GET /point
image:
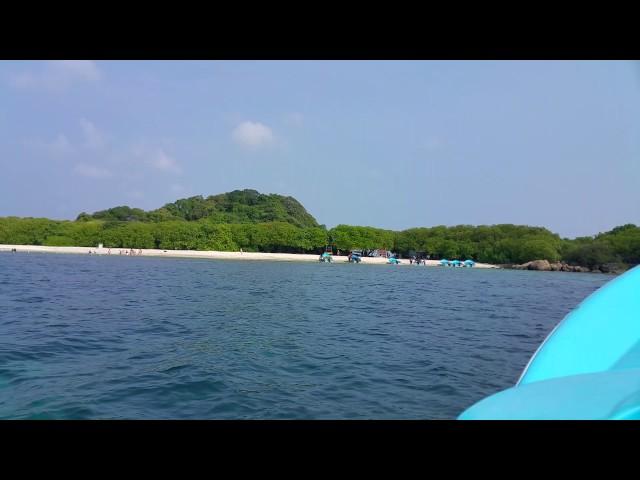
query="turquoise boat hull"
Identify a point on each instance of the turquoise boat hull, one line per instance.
(587, 368)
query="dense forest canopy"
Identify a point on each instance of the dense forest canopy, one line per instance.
(239, 206)
(273, 223)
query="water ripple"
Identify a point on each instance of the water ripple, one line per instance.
(89, 337)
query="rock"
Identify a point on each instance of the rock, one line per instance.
(539, 265)
(545, 265)
(611, 268)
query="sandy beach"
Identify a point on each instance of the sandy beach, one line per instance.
(283, 257)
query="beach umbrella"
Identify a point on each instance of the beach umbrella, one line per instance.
(469, 263)
(455, 262)
(444, 261)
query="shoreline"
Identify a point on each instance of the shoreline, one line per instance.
(214, 255)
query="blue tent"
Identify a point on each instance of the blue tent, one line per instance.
(444, 262)
(469, 263)
(455, 263)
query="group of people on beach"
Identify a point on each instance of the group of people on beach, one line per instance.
(418, 261)
(128, 252)
(122, 252)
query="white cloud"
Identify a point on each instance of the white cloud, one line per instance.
(57, 75)
(84, 69)
(253, 135)
(94, 138)
(156, 158)
(164, 162)
(91, 171)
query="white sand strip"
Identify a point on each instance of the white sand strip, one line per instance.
(286, 257)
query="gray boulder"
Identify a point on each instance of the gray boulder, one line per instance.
(543, 265)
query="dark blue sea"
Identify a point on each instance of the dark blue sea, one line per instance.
(93, 337)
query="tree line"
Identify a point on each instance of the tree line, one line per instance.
(498, 244)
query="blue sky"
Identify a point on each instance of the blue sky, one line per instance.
(393, 144)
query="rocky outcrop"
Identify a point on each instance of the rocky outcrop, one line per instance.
(564, 267)
(539, 265)
(544, 265)
(533, 265)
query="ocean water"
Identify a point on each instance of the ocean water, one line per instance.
(93, 337)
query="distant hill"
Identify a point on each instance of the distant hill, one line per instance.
(239, 206)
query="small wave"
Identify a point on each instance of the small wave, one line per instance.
(243, 340)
